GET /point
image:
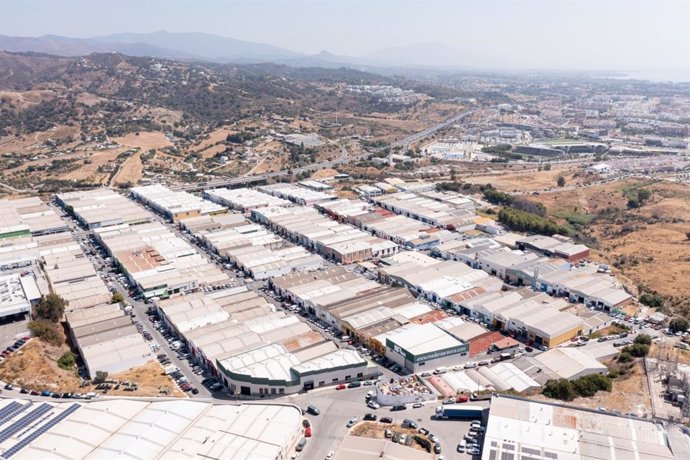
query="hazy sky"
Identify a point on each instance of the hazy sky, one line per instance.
(636, 35)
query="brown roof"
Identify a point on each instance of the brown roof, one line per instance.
(430, 317)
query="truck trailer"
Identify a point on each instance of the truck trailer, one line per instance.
(459, 411)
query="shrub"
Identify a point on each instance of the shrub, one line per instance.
(67, 361)
(652, 300)
(678, 324)
(589, 385)
(561, 389)
(117, 298)
(528, 222)
(45, 330)
(637, 350)
(101, 376)
(644, 339)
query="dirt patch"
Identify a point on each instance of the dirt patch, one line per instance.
(525, 181)
(92, 169)
(214, 137)
(377, 430)
(25, 99)
(130, 171)
(212, 150)
(150, 381)
(89, 99)
(628, 395)
(34, 366)
(324, 173)
(636, 242)
(665, 351)
(145, 140)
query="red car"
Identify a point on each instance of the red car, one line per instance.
(307, 432)
(342, 386)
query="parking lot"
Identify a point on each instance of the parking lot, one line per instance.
(337, 407)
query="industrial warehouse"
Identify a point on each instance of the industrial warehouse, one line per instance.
(519, 427)
(141, 429)
(28, 217)
(394, 283)
(244, 199)
(335, 241)
(255, 349)
(175, 205)
(107, 340)
(258, 252)
(102, 207)
(157, 261)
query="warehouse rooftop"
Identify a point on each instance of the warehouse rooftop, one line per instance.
(519, 427)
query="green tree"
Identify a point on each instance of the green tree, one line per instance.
(643, 339)
(561, 389)
(547, 167)
(101, 376)
(652, 300)
(50, 307)
(560, 181)
(678, 324)
(67, 361)
(589, 385)
(117, 298)
(625, 357)
(638, 350)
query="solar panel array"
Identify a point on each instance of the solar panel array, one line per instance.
(34, 435)
(23, 422)
(11, 410)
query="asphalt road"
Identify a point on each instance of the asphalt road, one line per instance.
(343, 158)
(337, 407)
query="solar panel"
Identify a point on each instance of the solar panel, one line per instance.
(23, 422)
(10, 410)
(36, 434)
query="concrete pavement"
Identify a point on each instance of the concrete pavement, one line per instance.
(337, 407)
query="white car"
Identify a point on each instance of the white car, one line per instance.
(373, 405)
(330, 455)
(352, 422)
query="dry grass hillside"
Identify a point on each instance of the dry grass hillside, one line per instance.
(648, 244)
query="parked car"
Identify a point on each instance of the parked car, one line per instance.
(352, 422)
(371, 417)
(373, 405)
(386, 420)
(398, 407)
(417, 405)
(313, 410)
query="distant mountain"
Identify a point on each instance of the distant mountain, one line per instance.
(205, 46)
(66, 46)
(196, 46)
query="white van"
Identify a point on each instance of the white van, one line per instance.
(440, 370)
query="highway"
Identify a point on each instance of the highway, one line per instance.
(344, 157)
